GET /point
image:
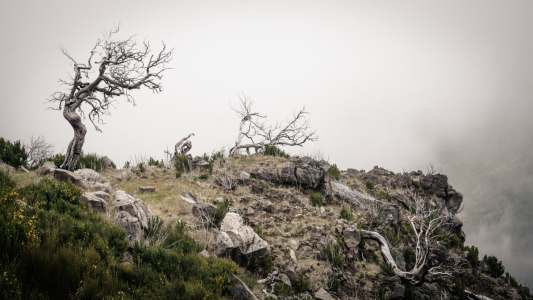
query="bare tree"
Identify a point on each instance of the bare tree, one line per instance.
(124, 66)
(295, 132)
(181, 147)
(423, 220)
(38, 149)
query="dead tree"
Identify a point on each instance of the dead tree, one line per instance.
(181, 147)
(295, 132)
(424, 221)
(123, 66)
(38, 149)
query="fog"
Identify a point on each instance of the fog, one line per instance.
(395, 84)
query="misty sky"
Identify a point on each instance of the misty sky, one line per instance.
(397, 84)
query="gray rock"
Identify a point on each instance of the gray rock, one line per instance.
(351, 237)
(287, 174)
(102, 195)
(240, 242)
(89, 175)
(321, 294)
(188, 196)
(132, 225)
(440, 252)
(108, 164)
(285, 279)
(244, 176)
(268, 206)
(293, 244)
(45, 168)
(218, 200)
(400, 197)
(425, 182)
(104, 187)
(64, 175)
(204, 253)
(293, 272)
(134, 207)
(239, 290)
(439, 185)
(258, 188)
(92, 202)
(204, 211)
(453, 200)
(402, 181)
(306, 252)
(392, 214)
(264, 174)
(150, 189)
(293, 255)
(250, 211)
(397, 291)
(200, 163)
(416, 181)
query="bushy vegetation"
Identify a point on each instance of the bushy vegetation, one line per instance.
(369, 185)
(473, 255)
(387, 269)
(85, 161)
(333, 284)
(203, 176)
(52, 248)
(301, 285)
(409, 257)
(275, 151)
(268, 265)
(156, 163)
(215, 156)
(222, 209)
(346, 213)
(316, 199)
(392, 236)
(13, 154)
(178, 174)
(182, 163)
(333, 254)
(259, 231)
(383, 194)
(495, 266)
(335, 173)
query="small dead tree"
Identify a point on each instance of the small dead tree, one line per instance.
(123, 66)
(38, 149)
(181, 147)
(295, 132)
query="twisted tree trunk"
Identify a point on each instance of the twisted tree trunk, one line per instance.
(74, 147)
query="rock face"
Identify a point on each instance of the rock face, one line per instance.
(133, 227)
(309, 173)
(64, 175)
(392, 214)
(92, 202)
(89, 175)
(45, 168)
(204, 211)
(104, 187)
(134, 207)
(240, 242)
(102, 195)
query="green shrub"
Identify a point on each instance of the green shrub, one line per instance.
(182, 163)
(333, 284)
(259, 232)
(316, 199)
(346, 213)
(369, 185)
(392, 236)
(268, 265)
(454, 242)
(333, 254)
(301, 285)
(381, 294)
(275, 151)
(222, 209)
(361, 243)
(495, 266)
(178, 174)
(203, 176)
(383, 194)
(280, 290)
(388, 269)
(85, 161)
(409, 256)
(156, 163)
(334, 172)
(126, 165)
(13, 154)
(473, 255)
(142, 169)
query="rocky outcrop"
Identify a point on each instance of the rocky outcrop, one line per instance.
(64, 175)
(308, 173)
(93, 202)
(240, 242)
(45, 168)
(89, 175)
(132, 226)
(97, 186)
(107, 163)
(351, 236)
(134, 207)
(102, 195)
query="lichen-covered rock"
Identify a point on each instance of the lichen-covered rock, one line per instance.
(45, 168)
(104, 187)
(135, 207)
(240, 242)
(102, 195)
(89, 175)
(392, 214)
(321, 294)
(453, 200)
(92, 202)
(64, 175)
(351, 237)
(308, 173)
(132, 226)
(107, 163)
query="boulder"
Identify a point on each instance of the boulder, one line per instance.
(64, 175)
(244, 176)
(400, 197)
(293, 272)
(204, 253)
(104, 187)
(308, 173)
(288, 174)
(264, 174)
(45, 168)
(258, 188)
(397, 291)
(293, 256)
(92, 202)
(102, 195)
(204, 211)
(440, 252)
(268, 206)
(351, 236)
(321, 294)
(285, 279)
(107, 163)
(149, 189)
(239, 290)
(134, 207)
(133, 227)
(392, 214)
(306, 252)
(425, 182)
(240, 242)
(402, 181)
(454, 200)
(89, 175)
(200, 163)
(188, 196)
(293, 244)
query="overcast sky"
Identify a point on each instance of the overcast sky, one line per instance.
(388, 83)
